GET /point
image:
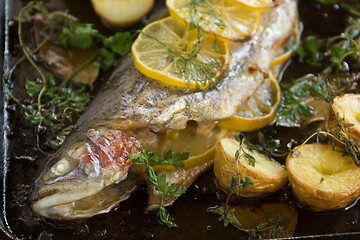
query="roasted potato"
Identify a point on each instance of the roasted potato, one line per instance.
(267, 175)
(322, 179)
(122, 13)
(346, 107)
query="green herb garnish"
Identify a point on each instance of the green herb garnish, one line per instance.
(58, 105)
(227, 216)
(188, 66)
(51, 105)
(149, 159)
(211, 15)
(307, 50)
(83, 35)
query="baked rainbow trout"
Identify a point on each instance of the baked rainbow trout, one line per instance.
(92, 172)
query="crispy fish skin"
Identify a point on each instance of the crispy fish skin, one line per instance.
(130, 102)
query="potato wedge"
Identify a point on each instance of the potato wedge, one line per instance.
(346, 107)
(267, 176)
(122, 13)
(323, 179)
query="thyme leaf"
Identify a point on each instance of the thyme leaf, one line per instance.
(245, 144)
(227, 216)
(58, 105)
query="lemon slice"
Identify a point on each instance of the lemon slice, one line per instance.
(259, 110)
(281, 58)
(223, 18)
(200, 146)
(260, 3)
(283, 54)
(167, 52)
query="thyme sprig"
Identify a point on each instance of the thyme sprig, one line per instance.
(241, 152)
(227, 215)
(149, 159)
(52, 106)
(55, 112)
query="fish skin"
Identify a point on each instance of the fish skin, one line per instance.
(129, 101)
(130, 95)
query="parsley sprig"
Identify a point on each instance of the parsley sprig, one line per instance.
(149, 159)
(337, 53)
(83, 35)
(294, 96)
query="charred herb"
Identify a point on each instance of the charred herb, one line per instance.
(149, 159)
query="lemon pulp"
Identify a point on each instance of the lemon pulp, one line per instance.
(224, 18)
(167, 52)
(259, 110)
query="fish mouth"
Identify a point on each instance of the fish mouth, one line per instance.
(56, 200)
(73, 199)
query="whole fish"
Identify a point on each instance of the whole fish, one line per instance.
(91, 173)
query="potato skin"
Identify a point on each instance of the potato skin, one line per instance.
(346, 107)
(307, 189)
(225, 169)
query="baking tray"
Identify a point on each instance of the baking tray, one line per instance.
(9, 9)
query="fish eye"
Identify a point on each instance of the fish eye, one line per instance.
(60, 168)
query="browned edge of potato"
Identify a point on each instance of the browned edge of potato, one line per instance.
(322, 179)
(267, 176)
(346, 107)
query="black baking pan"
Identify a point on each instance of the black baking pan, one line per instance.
(128, 221)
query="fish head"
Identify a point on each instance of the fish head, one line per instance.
(79, 180)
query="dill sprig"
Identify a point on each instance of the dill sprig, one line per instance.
(188, 66)
(211, 16)
(149, 159)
